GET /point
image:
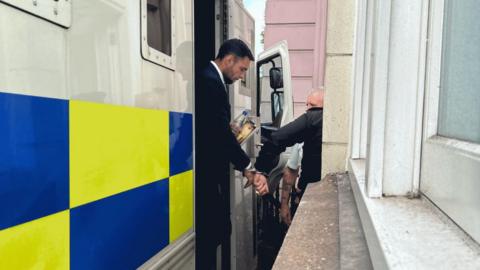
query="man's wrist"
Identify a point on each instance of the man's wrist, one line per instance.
(263, 173)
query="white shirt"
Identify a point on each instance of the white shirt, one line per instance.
(218, 70)
(295, 157)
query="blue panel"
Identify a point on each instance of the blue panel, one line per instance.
(34, 158)
(122, 231)
(181, 142)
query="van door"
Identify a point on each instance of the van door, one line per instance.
(275, 102)
(271, 107)
(240, 253)
(274, 108)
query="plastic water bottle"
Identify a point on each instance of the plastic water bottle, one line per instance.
(238, 122)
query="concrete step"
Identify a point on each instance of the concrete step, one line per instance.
(353, 246)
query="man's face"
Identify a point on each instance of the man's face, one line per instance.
(236, 68)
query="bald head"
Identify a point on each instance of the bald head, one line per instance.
(315, 99)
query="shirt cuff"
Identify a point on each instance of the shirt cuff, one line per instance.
(250, 167)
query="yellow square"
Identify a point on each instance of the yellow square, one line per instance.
(181, 204)
(39, 244)
(114, 149)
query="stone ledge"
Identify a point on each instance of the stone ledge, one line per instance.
(312, 240)
(326, 232)
(407, 233)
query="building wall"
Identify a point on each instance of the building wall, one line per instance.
(408, 63)
(302, 24)
(320, 41)
(338, 81)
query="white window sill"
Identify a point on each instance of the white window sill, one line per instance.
(407, 233)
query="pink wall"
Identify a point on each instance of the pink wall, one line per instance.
(299, 36)
(290, 11)
(303, 24)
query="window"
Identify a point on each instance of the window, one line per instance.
(159, 25)
(450, 163)
(158, 32)
(271, 100)
(459, 108)
(277, 106)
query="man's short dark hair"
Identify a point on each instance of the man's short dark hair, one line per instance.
(236, 47)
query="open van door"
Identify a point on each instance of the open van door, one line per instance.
(275, 100)
(271, 105)
(274, 108)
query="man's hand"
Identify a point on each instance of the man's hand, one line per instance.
(285, 214)
(261, 184)
(250, 175)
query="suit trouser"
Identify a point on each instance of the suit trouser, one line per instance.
(205, 255)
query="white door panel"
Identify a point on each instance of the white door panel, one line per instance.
(450, 168)
(451, 179)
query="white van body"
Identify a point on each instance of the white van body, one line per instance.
(103, 169)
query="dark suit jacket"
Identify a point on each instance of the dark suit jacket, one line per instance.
(216, 147)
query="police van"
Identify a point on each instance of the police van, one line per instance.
(97, 131)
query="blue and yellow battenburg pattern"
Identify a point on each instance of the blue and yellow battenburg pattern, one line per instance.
(91, 186)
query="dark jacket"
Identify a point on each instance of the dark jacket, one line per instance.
(308, 129)
(216, 148)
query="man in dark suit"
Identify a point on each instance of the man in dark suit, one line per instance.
(216, 148)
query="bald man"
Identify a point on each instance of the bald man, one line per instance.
(306, 129)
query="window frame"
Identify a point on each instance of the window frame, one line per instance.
(433, 82)
(438, 35)
(151, 54)
(259, 89)
(361, 81)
